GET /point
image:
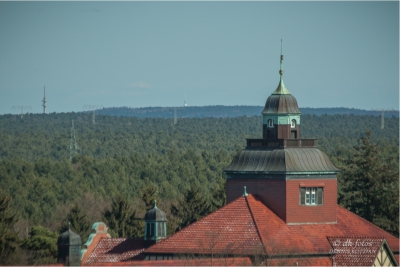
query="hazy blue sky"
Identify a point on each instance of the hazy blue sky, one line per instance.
(139, 54)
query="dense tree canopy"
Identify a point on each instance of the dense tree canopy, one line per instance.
(191, 207)
(42, 242)
(125, 163)
(369, 185)
(76, 220)
(8, 236)
(121, 219)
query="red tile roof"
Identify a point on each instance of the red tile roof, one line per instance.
(234, 261)
(281, 238)
(244, 227)
(355, 251)
(242, 261)
(238, 227)
(230, 230)
(115, 250)
(311, 261)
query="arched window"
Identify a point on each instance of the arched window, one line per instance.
(293, 125)
(270, 124)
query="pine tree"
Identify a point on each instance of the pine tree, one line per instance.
(79, 223)
(8, 237)
(43, 243)
(218, 198)
(121, 219)
(369, 186)
(149, 194)
(191, 208)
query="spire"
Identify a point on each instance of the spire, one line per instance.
(155, 204)
(281, 90)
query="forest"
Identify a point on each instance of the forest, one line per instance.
(227, 111)
(62, 167)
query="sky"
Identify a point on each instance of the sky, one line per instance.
(141, 54)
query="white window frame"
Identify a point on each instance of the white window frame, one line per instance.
(310, 196)
(270, 123)
(293, 124)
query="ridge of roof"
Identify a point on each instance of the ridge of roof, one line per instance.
(191, 225)
(110, 250)
(229, 230)
(255, 222)
(390, 251)
(366, 221)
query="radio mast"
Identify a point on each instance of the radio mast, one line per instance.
(44, 100)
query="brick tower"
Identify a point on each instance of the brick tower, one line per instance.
(291, 175)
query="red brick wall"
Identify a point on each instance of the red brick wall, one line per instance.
(298, 214)
(281, 131)
(284, 131)
(272, 193)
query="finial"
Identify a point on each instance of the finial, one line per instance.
(245, 193)
(281, 70)
(155, 204)
(69, 225)
(281, 90)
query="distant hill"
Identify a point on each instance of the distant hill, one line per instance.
(226, 111)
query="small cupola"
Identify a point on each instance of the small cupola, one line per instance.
(281, 114)
(69, 248)
(155, 224)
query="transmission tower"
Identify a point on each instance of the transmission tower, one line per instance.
(93, 108)
(73, 146)
(184, 102)
(382, 110)
(44, 100)
(22, 108)
(175, 118)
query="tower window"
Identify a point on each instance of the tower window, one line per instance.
(270, 124)
(151, 232)
(293, 124)
(311, 196)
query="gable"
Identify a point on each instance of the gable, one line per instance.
(110, 250)
(385, 257)
(361, 251)
(230, 230)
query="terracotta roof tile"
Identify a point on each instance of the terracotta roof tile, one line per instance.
(230, 230)
(230, 261)
(355, 251)
(233, 261)
(115, 250)
(279, 237)
(244, 227)
(309, 261)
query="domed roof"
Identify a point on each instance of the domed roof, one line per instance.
(155, 214)
(281, 103)
(69, 238)
(281, 100)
